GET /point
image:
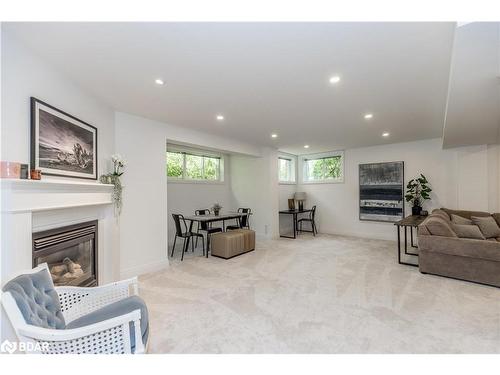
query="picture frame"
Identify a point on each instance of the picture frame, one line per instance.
(381, 192)
(62, 144)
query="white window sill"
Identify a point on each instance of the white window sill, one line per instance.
(195, 182)
(288, 182)
(322, 182)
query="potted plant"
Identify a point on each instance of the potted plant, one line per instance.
(114, 178)
(216, 209)
(417, 191)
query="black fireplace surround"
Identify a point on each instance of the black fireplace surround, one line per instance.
(70, 252)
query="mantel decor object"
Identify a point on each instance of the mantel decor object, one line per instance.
(9, 169)
(61, 144)
(36, 174)
(114, 178)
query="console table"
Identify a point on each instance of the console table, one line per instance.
(411, 222)
(294, 214)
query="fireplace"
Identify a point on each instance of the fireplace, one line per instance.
(70, 252)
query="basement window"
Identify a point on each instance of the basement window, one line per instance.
(286, 170)
(323, 168)
(192, 165)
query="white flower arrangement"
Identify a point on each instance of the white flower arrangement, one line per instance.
(114, 178)
(118, 164)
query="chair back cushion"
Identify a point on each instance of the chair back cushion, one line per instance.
(37, 299)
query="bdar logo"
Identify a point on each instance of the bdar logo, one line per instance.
(8, 347)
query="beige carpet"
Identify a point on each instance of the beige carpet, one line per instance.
(328, 294)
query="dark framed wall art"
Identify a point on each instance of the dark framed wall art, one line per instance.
(381, 191)
(61, 144)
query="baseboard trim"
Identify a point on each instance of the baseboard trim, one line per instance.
(144, 268)
(364, 235)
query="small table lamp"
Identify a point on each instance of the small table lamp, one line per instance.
(300, 197)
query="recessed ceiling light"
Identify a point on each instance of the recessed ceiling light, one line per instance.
(334, 79)
(368, 116)
(219, 117)
(159, 81)
(385, 134)
(274, 135)
(306, 146)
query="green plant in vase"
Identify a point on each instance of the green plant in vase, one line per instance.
(216, 209)
(417, 191)
(114, 178)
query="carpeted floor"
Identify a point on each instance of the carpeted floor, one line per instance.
(328, 294)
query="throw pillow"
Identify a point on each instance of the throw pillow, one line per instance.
(455, 219)
(439, 227)
(441, 214)
(468, 231)
(487, 225)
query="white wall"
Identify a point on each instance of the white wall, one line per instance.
(463, 178)
(254, 184)
(144, 220)
(24, 75)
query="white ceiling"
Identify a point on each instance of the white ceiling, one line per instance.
(263, 77)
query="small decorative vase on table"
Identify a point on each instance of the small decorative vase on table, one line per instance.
(216, 209)
(417, 191)
(300, 197)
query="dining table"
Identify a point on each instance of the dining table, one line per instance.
(212, 218)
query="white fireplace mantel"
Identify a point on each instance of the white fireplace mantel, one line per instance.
(29, 206)
(44, 195)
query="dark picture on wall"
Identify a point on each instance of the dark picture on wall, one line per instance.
(381, 189)
(61, 144)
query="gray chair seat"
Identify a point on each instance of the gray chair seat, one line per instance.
(113, 310)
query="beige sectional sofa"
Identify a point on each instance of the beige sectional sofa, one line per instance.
(443, 252)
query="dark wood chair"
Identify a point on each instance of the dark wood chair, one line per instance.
(310, 219)
(185, 234)
(244, 221)
(207, 227)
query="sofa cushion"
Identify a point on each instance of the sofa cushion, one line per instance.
(440, 213)
(468, 231)
(487, 225)
(439, 227)
(497, 218)
(115, 309)
(466, 214)
(455, 219)
(37, 299)
(464, 247)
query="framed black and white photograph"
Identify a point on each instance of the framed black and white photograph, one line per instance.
(381, 191)
(61, 144)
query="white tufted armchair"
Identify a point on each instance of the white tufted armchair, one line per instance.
(59, 326)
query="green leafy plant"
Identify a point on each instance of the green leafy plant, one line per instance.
(216, 208)
(418, 191)
(114, 178)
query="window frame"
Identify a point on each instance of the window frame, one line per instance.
(292, 169)
(184, 179)
(323, 155)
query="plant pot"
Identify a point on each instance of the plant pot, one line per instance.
(216, 212)
(416, 210)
